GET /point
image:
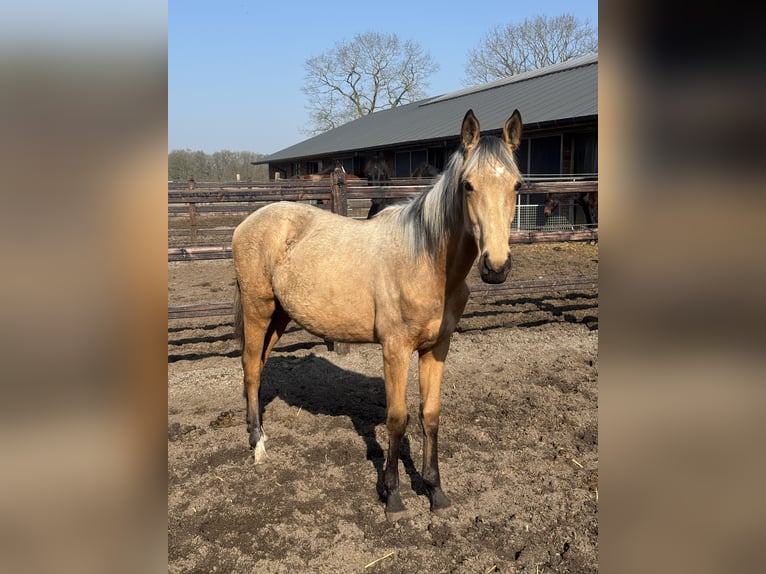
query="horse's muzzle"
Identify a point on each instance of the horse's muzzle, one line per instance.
(491, 274)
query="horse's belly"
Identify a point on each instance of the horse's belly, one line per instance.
(344, 315)
(336, 322)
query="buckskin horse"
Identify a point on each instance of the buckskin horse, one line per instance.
(397, 279)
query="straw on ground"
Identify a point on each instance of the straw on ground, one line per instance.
(379, 559)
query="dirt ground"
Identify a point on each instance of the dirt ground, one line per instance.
(518, 440)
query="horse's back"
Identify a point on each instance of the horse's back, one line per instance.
(281, 209)
(277, 219)
(261, 240)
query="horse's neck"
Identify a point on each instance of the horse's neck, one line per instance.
(458, 256)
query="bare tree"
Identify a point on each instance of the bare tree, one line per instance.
(510, 49)
(373, 72)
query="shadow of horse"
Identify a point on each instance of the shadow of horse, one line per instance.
(317, 386)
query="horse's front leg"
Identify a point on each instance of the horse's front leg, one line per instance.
(395, 366)
(431, 369)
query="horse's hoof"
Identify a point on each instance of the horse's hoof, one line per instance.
(395, 509)
(440, 504)
(257, 437)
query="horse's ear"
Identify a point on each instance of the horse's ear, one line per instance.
(512, 130)
(469, 133)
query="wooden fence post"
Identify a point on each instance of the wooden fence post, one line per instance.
(193, 222)
(339, 191)
(192, 213)
(339, 205)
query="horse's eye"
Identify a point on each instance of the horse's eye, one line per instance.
(517, 187)
(467, 186)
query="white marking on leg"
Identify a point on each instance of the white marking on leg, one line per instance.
(259, 453)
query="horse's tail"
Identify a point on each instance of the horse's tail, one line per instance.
(239, 322)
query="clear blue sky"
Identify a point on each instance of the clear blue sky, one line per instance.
(236, 67)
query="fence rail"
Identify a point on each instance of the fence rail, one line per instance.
(281, 190)
(336, 194)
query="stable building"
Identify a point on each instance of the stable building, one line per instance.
(558, 105)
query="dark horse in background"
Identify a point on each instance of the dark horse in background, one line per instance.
(588, 201)
(325, 173)
(425, 171)
(377, 172)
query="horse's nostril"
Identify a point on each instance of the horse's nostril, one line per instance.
(487, 264)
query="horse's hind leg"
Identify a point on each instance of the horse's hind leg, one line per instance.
(252, 366)
(264, 324)
(279, 321)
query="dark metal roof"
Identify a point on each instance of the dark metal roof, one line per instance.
(559, 92)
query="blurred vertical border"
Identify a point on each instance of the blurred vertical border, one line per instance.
(83, 150)
(682, 268)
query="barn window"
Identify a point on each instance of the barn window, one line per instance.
(405, 162)
(585, 153)
(545, 155)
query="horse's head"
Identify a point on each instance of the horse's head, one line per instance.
(489, 181)
(550, 204)
(376, 169)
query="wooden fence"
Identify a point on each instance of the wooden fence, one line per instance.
(335, 193)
